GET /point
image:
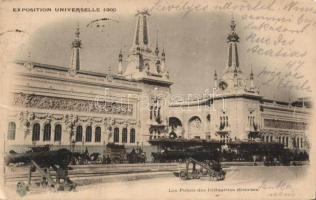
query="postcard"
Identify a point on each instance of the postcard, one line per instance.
(157, 99)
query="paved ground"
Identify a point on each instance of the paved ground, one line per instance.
(240, 182)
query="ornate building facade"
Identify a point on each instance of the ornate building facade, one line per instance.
(69, 107)
(72, 108)
(235, 110)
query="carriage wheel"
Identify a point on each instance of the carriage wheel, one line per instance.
(222, 175)
(21, 188)
(212, 175)
(196, 174)
(183, 175)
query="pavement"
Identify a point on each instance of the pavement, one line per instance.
(241, 182)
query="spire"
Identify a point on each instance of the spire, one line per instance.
(235, 73)
(157, 48)
(252, 85)
(76, 46)
(109, 75)
(233, 40)
(141, 36)
(215, 79)
(120, 68)
(163, 60)
(251, 73)
(163, 55)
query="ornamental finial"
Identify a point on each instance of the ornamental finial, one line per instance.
(233, 24)
(120, 56)
(77, 33)
(157, 48)
(251, 73)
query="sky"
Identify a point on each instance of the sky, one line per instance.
(195, 46)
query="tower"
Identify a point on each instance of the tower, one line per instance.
(233, 78)
(142, 61)
(236, 100)
(147, 66)
(75, 58)
(141, 36)
(233, 40)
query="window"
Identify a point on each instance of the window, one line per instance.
(97, 137)
(116, 135)
(79, 134)
(47, 132)
(11, 131)
(124, 135)
(88, 134)
(151, 112)
(283, 141)
(132, 136)
(36, 132)
(57, 136)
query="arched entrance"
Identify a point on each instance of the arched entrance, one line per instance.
(175, 127)
(195, 127)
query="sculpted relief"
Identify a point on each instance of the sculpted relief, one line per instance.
(285, 124)
(56, 103)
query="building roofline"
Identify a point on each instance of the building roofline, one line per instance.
(65, 69)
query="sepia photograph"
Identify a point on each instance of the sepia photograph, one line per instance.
(157, 99)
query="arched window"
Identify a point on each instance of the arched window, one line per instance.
(116, 135)
(97, 137)
(208, 117)
(88, 134)
(132, 136)
(47, 132)
(57, 136)
(36, 132)
(124, 135)
(283, 141)
(79, 134)
(267, 138)
(11, 131)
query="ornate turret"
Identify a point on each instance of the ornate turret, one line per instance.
(233, 79)
(142, 62)
(76, 46)
(233, 40)
(252, 85)
(120, 67)
(157, 48)
(215, 79)
(141, 36)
